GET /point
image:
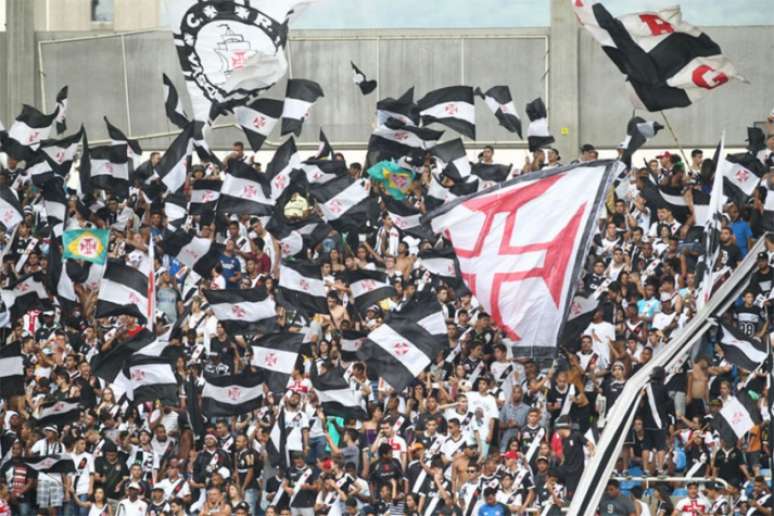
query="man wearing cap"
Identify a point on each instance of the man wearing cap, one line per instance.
(110, 472)
(573, 458)
(588, 153)
(763, 278)
(614, 503)
(132, 505)
(157, 505)
(174, 485)
(209, 460)
(51, 486)
(718, 502)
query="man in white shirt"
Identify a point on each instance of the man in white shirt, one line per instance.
(175, 486)
(50, 485)
(602, 333)
(296, 424)
(485, 401)
(132, 505)
(82, 481)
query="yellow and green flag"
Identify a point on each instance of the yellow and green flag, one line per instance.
(86, 244)
(396, 180)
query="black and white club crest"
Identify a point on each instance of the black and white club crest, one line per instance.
(218, 40)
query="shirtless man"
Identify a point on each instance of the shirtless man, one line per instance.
(404, 263)
(697, 392)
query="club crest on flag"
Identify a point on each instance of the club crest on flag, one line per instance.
(138, 374)
(238, 312)
(86, 244)
(400, 348)
(271, 359)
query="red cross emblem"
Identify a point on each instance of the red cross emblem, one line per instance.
(238, 312)
(280, 182)
(575, 309)
(368, 285)
(138, 374)
(358, 343)
(58, 406)
(557, 252)
(249, 192)
(398, 221)
(233, 392)
(107, 167)
(87, 246)
(208, 196)
(134, 298)
(336, 207)
(316, 175)
(401, 136)
(450, 270)
(285, 247)
(22, 287)
(451, 109)
(271, 359)
(60, 156)
(505, 108)
(742, 175)
(33, 137)
(259, 122)
(304, 285)
(7, 216)
(737, 417)
(400, 348)
(238, 59)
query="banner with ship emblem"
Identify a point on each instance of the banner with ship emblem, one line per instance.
(230, 51)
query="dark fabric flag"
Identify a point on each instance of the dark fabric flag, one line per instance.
(499, 101)
(407, 219)
(276, 355)
(123, 291)
(27, 293)
(345, 203)
(402, 109)
(538, 135)
(110, 169)
(61, 116)
(108, 364)
(11, 370)
(62, 463)
(194, 252)
(368, 287)
(638, 131)
(10, 208)
(452, 160)
(324, 149)
(395, 139)
(173, 166)
(359, 78)
(232, 395)
(453, 107)
(29, 129)
(173, 105)
(61, 153)
(205, 193)
(301, 288)
(243, 311)
(55, 204)
(741, 350)
(58, 413)
(258, 120)
(299, 97)
(245, 191)
(667, 62)
(492, 172)
(337, 396)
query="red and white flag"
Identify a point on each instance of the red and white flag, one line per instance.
(521, 246)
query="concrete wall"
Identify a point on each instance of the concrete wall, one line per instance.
(94, 70)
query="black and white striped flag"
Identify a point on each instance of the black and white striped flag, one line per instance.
(407, 342)
(368, 287)
(205, 193)
(705, 267)
(123, 291)
(258, 120)
(28, 293)
(60, 463)
(499, 101)
(276, 355)
(109, 169)
(61, 153)
(175, 210)
(742, 174)
(407, 219)
(337, 396)
(39, 169)
(738, 415)
(118, 138)
(194, 252)
(301, 287)
(148, 378)
(324, 149)
(243, 311)
(232, 395)
(245, 191)
(538, 135)
(55, 204)
(740, 349)
(61, 116)
(494, 172)
(109, 363)
(299, 97)
(173, 105)
(638, 131)
(359, 78)
(29, 129)
(452, 160)
(283, 168)
(59, 281)
(173, 166)
(403, 109)
(396, 139)
(350, 344)
(58, 413)
(345, 203)
(442, 263)
(290, 240)
(321, 171)
(11, 370)
(453, 107)
(10, 208)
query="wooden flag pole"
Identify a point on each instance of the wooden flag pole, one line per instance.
(677, 141)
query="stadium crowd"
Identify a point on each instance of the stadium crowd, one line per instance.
(479, 432)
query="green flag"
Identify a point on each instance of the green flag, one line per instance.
(86, 244)
(396, 180)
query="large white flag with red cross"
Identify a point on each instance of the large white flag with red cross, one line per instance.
(521, 246)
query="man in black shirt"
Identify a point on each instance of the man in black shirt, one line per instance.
(729, 252)
(729, 464)
(247, 466)
(301, 486)
(763, 278)
(387, 471)
(110, 472)
(572, 450)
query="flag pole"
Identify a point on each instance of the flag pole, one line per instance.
(769, 406)
(674, 136)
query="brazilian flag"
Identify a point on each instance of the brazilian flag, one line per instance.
(86, 244)
(396, 180)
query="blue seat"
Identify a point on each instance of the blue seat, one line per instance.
(680, 492)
